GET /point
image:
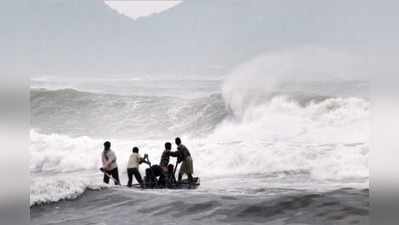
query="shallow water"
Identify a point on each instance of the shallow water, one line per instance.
(131, 206)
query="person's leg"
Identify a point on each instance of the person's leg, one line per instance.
(147, 177)
(106, 178)
(189, 169)
(180, 177)
(166, 177)
(190, 178)
(171, 175)
(137, 175)
(162, 179)
(130, 176)
(182, 170)
(115, 175)
(172, 179)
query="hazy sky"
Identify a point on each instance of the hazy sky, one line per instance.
(207, 37)
(136, 9)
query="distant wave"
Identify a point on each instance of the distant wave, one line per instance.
(77, 113)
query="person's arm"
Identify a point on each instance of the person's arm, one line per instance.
(177, 154)
(145, 160)
(174, 154)
(141, 159)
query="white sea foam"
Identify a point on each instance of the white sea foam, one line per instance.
(328, 140)
(52, 188)
(267, 122)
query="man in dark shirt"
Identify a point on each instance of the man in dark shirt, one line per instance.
(167, 169)
(183, 155)
(165, 156)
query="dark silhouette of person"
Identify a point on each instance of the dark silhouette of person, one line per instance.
(183, 156)
(154, 176)
(167, 174)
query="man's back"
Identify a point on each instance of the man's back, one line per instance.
(184, 152)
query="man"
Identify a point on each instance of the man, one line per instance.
(167, 172)
(110, 168)
(133, 167)
(183, 156)
(165, 156)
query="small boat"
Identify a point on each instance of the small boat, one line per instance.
(184, 184)
(151, 182)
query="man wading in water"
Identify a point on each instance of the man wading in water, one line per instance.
(133, 167)
(183, 156)
(110, 168)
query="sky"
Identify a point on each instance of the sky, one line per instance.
(201, 37)
(136, 9)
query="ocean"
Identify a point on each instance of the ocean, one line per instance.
(267, 151)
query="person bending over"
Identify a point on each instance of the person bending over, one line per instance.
(110, 168)
(154, 177)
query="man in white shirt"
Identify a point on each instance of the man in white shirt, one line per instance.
(110, 168)
(133, 167)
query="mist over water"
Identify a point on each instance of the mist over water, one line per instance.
(293, 119)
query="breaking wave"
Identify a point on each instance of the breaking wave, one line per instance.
(265, 121)
(325, 138)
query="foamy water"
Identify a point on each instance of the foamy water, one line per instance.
(247, 135)
(324, 141)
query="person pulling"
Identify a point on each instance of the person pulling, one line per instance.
(183, 156)
(133, 167)
(167, 169)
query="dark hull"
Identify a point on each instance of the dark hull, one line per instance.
(184, 184)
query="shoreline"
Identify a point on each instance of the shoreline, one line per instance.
(123, 206)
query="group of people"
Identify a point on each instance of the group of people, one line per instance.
(160, 175)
